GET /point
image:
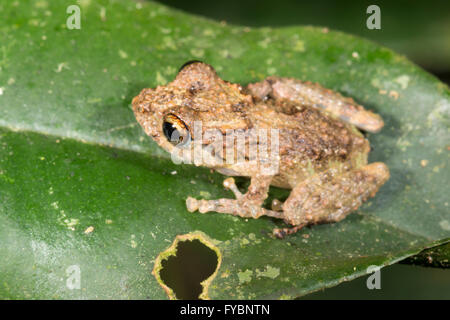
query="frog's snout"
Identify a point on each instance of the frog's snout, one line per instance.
(378, 170)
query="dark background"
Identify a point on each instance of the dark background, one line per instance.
(419, 30)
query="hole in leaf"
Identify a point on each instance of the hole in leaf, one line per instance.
(184, 271)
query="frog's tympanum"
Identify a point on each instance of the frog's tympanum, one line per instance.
(321, 155)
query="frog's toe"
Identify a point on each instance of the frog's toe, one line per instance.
(192, 204)
(229, 184)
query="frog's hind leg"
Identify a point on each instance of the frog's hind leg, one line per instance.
(248, 205)
(314, 95)
(325, 197)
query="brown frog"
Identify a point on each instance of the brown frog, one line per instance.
(320, 153)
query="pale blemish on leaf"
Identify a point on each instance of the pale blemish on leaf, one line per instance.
(271, 71)
(394, 94)
(165, 30)
(225, 53)
(123, 54)
(299, 46)
(61, 66)
(71, 223)
(205, 194)
(133, 242)
(170, 70)
(198, 53)
(41, 4)
(253, 238)
(160, 79)
(402, 81)
(236, 51)
(84, 3)
(34, 22)
(376, 83)
(225, 274)
(89, 230)
(244, 242)
(269, 272)
(439, 114)
(402, 143)
(94, 100)
(103, 13)
(264, 43)
(208, 32)
(169, 43)
(245, 276)
(445, 224)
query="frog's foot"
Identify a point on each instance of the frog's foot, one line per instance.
(325, 197)
(229, 206)
(247, 205)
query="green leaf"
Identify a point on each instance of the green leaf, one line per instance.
(81, 185)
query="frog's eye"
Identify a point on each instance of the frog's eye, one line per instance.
(176, 131)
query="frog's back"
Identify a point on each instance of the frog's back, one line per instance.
(310, 140)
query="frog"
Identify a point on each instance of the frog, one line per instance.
(322, 149)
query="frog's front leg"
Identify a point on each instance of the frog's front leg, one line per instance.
(316, 96)
(330, 197)
(248, 205)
